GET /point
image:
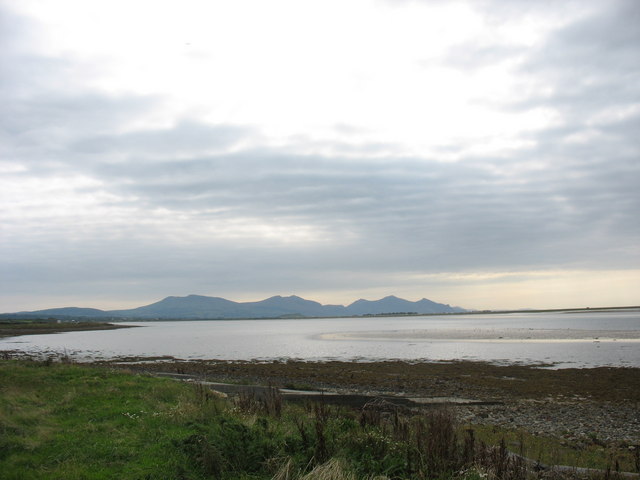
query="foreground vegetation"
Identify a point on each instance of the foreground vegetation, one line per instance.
(64, 421)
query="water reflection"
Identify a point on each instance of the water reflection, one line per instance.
(584, 339)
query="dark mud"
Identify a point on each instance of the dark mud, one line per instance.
(454, 379)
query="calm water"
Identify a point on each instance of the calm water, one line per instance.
(565, 339)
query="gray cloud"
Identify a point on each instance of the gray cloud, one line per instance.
(186, 136)
(569, 199)
(423, 214)
(590, 64)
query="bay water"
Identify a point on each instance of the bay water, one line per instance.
(558, 339)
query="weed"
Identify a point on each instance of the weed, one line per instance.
(273, 402)
(268, 402)
(333, 469)
(286, 469)
(321, 416)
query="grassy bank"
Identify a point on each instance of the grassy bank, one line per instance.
(66, 421)
(520, 388)
(62, 421)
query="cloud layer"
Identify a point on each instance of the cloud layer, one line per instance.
(518, 152)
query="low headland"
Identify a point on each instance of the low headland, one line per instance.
(41, 326)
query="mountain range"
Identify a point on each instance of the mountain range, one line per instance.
(203, 307)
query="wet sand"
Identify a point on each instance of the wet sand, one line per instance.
(489, 335)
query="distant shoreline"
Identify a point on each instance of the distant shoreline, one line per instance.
(386, 315)
(19, 328)
(6, 317)
(118, 319)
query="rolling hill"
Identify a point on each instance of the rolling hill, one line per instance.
(203, 307)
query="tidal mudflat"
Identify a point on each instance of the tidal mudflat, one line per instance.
(521, 335)
(578, 406)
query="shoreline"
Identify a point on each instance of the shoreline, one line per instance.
(581, 407)
(450, 378)
(77, 396)
(18, 328)
(117, 319)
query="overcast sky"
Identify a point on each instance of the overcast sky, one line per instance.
(484, 154)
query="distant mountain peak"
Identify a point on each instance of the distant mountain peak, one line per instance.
(195, 306)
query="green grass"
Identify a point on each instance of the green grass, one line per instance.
(65, 421)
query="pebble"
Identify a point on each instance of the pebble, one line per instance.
(582, 421)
